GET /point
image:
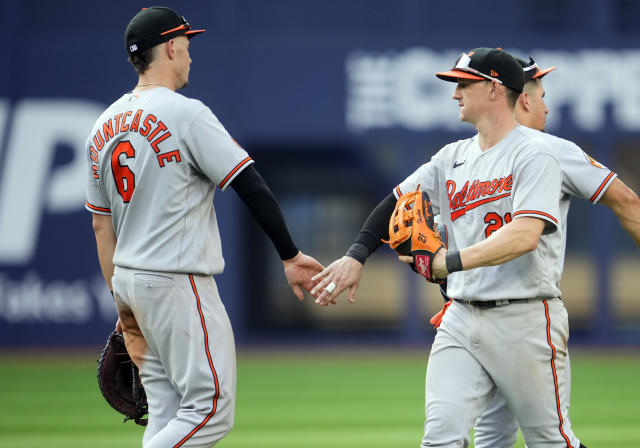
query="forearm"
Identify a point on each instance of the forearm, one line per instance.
(106, 245)
(375, 227)
(632, 226)
(264, 207)
(509, 242)
(624, 202)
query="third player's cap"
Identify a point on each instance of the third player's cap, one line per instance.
(532, 70)
(493, 64)
(152, 26)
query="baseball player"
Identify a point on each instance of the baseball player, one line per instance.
(507, 329)
(155, 158)
(583, 178)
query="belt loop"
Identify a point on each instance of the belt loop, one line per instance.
(502, 302)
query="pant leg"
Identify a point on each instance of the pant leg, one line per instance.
(496, 427)
(163, 399)
(458, 388)
(186, 324)
(524, 350)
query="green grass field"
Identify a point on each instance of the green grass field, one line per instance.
(298, 399)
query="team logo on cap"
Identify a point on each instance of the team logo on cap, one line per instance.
(494, 73)
(133, 48)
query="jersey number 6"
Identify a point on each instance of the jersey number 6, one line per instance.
(123, 176)
(495, 221)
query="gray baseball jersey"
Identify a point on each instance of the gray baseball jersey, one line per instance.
(477, 192)
(159, 147)
(582, 177)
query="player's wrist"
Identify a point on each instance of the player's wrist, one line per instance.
(453, 261)
(292, 259)
(358, 252)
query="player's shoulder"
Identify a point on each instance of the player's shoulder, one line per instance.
(529, 142)
(181, 102)
(458, 147)
(563, 149)
(559, 144)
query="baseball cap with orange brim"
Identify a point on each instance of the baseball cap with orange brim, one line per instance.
(153, 26)
(532, 70)
(489, 64)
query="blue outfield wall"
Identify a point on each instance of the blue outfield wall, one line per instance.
(337, 102)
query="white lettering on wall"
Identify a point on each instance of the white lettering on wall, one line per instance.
(28, 186)
(399, 89)
(33, 300)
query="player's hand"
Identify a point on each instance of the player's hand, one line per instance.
(343, 273)
(299, 271)
(439, 268)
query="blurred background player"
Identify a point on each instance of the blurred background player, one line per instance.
(155, 159)
(583, 178)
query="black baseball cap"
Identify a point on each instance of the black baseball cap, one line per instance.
(532, 70)
(154, 25)
(493, 64)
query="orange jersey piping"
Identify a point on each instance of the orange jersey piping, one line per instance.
(535, 212)
(602, 185)
(555, 374)
(209, 359)
(233, 171)
(96, 208)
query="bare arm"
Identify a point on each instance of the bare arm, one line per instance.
(106, 242)
(626, 205)
(509, 242)
(516, 238)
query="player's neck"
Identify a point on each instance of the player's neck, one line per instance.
(493, 129)
(151, 79)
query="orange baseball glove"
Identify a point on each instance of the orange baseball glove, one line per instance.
(412, 232)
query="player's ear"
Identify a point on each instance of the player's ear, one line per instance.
(523, 99)
(170, 48)
(494, 86)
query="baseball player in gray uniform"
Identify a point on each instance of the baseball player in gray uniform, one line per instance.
(155, 158)
(582, 177)
(507, 329)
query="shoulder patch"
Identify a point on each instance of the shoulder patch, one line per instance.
(592, 161)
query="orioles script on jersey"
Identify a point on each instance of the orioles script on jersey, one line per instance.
(149, 126)
(476, 193)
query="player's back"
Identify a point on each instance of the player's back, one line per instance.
(160, 201)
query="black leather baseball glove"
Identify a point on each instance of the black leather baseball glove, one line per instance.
(119, 381)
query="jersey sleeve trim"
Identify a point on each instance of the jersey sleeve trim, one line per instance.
(397, 192)
(95, 209)
(536, 214)
(603, 187)
(234, 172)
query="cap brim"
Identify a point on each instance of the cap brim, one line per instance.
(454, 75)
(541, 73)
(192, 33)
